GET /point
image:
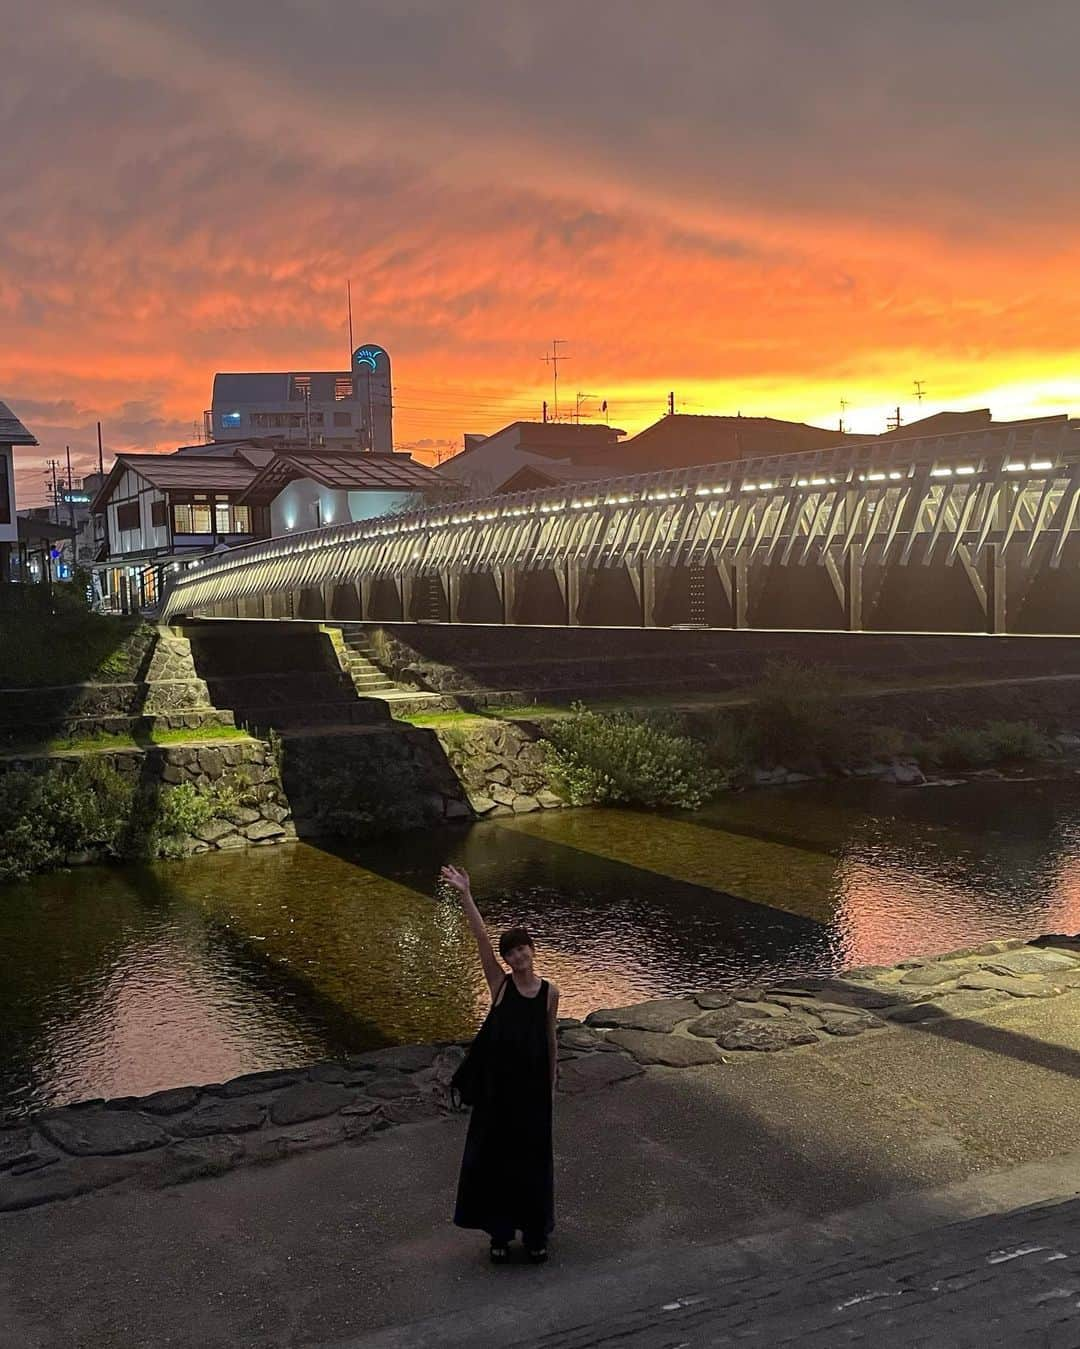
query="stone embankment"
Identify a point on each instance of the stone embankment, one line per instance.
(502, 767)
(187, 1132)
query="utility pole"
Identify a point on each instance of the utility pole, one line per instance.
(553, 360)
(671, 404)
(545, 412)
(100, 453)
(348, 305)
(307, 414)
(894, 422)
(52, 478)
(71, 504)
(844, 405)
(920, 389)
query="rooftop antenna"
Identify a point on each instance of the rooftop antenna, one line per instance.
(553, 360)
(844, 405)
(920, 389)
(894, 422)
(100, 455)
(348, 305)
(577, 405)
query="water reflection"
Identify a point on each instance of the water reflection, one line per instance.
(124, 981)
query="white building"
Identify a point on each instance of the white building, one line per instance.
(347, 408)
(165, 510)
(12, 433)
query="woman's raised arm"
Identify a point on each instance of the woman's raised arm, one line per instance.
(458, 880)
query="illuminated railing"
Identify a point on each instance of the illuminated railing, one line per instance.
(899, 502)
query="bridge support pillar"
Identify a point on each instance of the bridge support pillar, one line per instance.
(996, 590)
(505, 579)
(452, 582)
(569, 580)
(404, 586)
(364, 588)
(740, 591)
(643, 578)
(853, 590)
(327, 590)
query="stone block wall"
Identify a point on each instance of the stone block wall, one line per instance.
(501, 766)
(261, 815)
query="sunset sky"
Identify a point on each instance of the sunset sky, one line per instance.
(766, 206)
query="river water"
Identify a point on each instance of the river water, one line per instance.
(121, 981)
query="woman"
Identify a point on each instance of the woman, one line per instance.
(506, 1183)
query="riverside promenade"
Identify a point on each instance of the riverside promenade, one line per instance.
(792, 1186)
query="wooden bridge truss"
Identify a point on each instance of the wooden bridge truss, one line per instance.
(980, 501)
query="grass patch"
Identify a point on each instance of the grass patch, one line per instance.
(106, 740)
(37, 651)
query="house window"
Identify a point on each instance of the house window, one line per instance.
(342, 388)
(181, 519)
(299, 388)
(343, 419)
(221, 514)
(127, 515)
(241, 523)
(316, 418)
(230, 419)
(158, 514)
(201, 519)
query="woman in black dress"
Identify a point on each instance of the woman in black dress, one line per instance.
(506, 1183)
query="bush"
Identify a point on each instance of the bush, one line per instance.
(607, 758)
(975, 747)
(91, 808)
(46, 817)
(796, 713)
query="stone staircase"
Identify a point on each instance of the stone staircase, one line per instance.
(280, 676)
(165, 695)
(357, 656)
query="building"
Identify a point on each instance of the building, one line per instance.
(12, 433)
(347, 408)
(488, 462)
(166, 510)
(527, 455)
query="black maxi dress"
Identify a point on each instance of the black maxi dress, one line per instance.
(507, 1175)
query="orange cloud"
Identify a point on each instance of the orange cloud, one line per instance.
(701, 209)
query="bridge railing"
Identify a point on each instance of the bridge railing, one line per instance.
(895, 501)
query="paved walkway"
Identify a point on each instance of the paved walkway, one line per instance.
(1006, 1280)
(1009, 1279)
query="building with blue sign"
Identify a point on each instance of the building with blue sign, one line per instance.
(338, 409)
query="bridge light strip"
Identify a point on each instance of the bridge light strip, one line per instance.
(1015, 468)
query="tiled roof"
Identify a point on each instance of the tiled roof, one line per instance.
(346, 471)
(178, 473)
(12, 431)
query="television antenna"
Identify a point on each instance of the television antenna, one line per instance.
(553, 360)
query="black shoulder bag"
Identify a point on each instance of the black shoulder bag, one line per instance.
(466, 1083)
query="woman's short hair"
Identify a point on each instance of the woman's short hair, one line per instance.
(514, 936)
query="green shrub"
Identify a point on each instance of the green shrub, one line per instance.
(598, 757)
(46, 817)
(89, 807)
(975, 747)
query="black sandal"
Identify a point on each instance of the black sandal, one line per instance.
(500, 1252)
